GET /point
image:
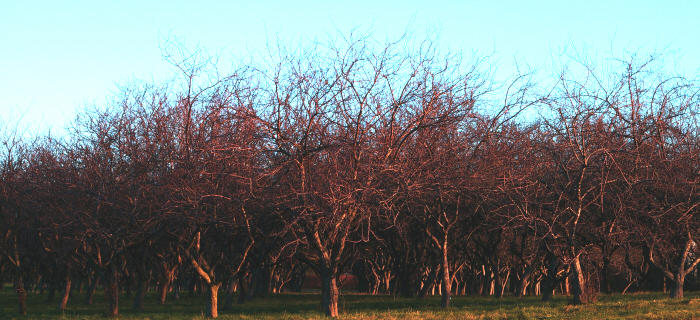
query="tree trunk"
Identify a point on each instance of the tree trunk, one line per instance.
(486, 287)
(40, 280)
(92, 285)
(176, 290)
(142, 287)
(480, 284)
(405, 282)
(213, 300)
(663, 284)
(163, 292)
(580, 294)
(329, 294)
(387, 281)
(547, 289)
(191, 285)
(166, 281)
(604, 281)
(243, 288)
(112, 294)
(78, 286)
(446, 280)
(502, 284)
(230, 290)
(361, 272)
(262, 280)
(66, 294)
(677, 285)
(549, 282)
(677, 277)
(21, 295)
(127, 287)
(523, 283)
(429, 283)
(52, 291)
(298, 276)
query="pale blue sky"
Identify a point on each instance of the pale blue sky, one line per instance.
(57, 57)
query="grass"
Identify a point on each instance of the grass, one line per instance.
(365, 307)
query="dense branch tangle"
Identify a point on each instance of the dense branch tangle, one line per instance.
(408, 171)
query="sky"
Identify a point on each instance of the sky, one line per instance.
(60, 57)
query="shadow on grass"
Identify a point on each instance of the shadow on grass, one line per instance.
(307, 305)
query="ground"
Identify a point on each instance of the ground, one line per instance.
(357, 306)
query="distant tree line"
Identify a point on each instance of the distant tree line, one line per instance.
(401, 167)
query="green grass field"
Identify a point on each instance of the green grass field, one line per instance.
(356, 306)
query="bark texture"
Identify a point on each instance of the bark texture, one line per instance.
(329, 293)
